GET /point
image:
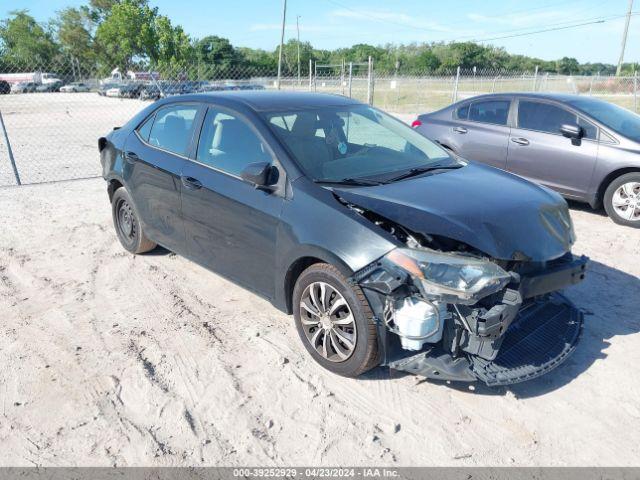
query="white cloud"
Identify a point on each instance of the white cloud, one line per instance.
(522, 19)
(396, 18)
(260, 27)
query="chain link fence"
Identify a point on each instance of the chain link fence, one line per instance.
(52, 115)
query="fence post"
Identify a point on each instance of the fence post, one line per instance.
(342, 66)
(370, 83)
(310, 74)
(350, 76)
(454, 96)
(635, 92)
(535, 78)
(11, 159)
(315, 76)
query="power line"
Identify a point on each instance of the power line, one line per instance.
(415, 27)
(595, 21)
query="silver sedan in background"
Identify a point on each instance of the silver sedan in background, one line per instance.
(586, 149)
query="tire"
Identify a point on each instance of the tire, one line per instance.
(622, 200)
(336, 332)
(127, 224)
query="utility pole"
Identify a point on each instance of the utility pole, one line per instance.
(624, 38)
(298, 30)
(284, 17)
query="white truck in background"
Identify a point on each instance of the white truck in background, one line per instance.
(43, 78)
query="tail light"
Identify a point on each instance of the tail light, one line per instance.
(416, 123)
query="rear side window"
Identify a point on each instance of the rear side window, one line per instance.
(172, 128)
(545, 117)
(145, 129)
(490, 111)
(462, 112)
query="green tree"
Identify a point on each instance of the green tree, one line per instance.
(25, 44)
(568, 66)
(290, 55)
(214, 50)
(74, 35)
(257, 60)
(426, 61)
(127, 33)
(174, 50)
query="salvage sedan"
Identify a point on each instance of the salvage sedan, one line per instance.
(387, 249)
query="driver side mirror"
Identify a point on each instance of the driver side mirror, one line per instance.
(575, 132)
(261, 174)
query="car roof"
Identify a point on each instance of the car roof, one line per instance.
(268, 100)
(560, 97)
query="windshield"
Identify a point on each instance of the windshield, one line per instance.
(618, 119)
(354, 142)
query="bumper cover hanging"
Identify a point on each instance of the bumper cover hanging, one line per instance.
(542, 336)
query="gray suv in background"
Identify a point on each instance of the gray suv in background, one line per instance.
(586, 149)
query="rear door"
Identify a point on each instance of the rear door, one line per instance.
(481, 130)
(154, 157)
(539, 152)
(231, 226)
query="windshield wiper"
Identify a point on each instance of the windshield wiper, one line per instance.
(349, 181)
(418, 170)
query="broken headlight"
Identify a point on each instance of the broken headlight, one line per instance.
(449, 277)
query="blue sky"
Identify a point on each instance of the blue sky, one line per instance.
(336, 23)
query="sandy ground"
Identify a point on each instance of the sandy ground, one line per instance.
(112, 359)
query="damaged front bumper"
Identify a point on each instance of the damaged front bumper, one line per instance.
(515, 334)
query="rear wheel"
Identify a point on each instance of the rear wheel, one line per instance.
(127, 224)
(622, 200)
(334, 321)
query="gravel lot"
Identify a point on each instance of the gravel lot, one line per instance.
(113, 359)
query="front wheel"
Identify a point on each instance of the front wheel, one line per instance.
(127, 224)
(622, 200)
(334, 321)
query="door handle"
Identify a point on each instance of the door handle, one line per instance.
(191, 183)
(131, 157)
(460, 130)
(520, 141)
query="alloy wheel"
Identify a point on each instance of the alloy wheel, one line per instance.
(626, 201)
(328, 322)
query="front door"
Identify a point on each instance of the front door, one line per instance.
(155, 155)
(539, 152)
(231, 227)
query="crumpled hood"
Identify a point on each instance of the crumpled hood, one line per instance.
(498, 213)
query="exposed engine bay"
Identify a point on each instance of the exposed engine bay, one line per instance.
(447, 311)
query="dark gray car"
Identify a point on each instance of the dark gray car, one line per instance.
(387, 249)
(586, 149)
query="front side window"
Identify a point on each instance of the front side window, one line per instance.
(172, 128)
(337, 143)
(618, 119)
(545, 117)
(229, 144)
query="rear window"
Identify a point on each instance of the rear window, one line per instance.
(490, 111)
